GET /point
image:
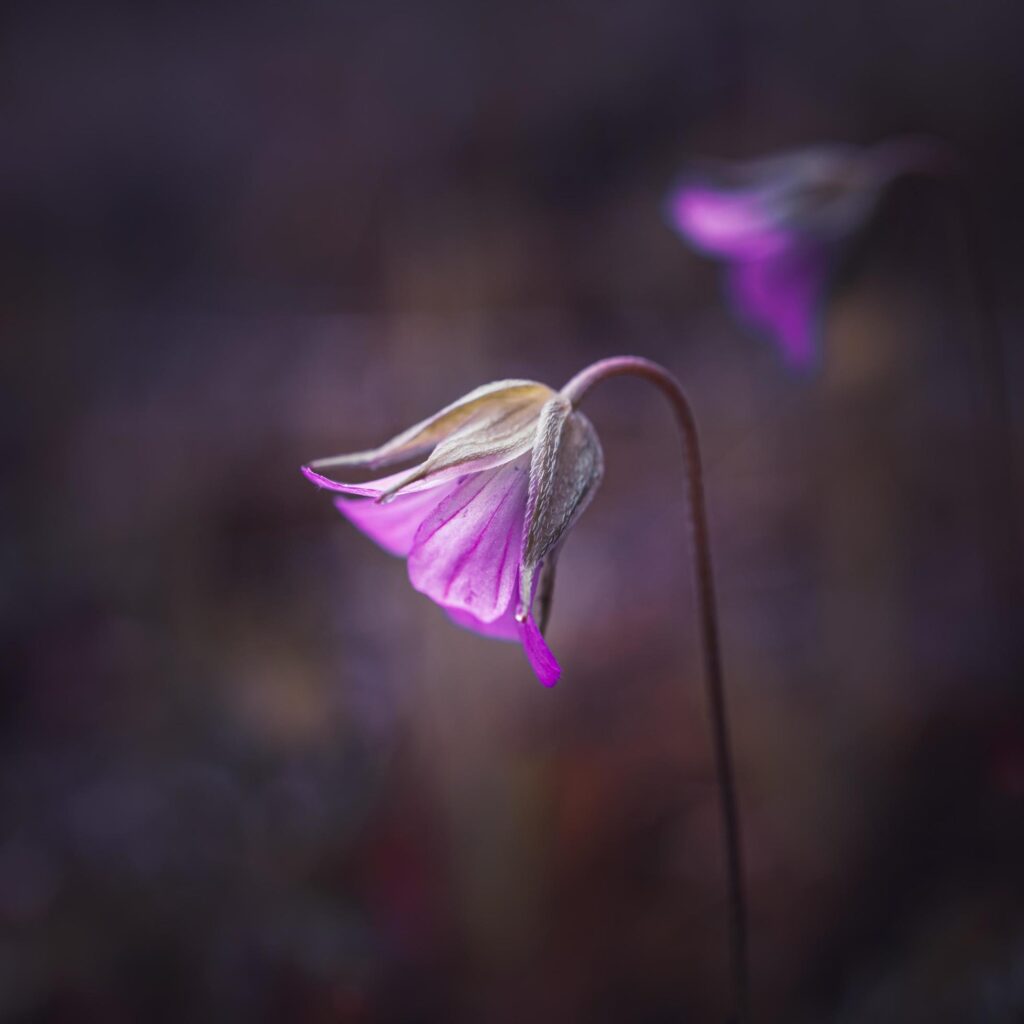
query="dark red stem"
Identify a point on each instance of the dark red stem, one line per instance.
(575, 390)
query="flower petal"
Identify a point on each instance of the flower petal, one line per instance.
(421, 438)
(783, 294)
(466, 552)
(542, 661)
(504, 627)
(393, 525)
(722, 222)
(539, 654)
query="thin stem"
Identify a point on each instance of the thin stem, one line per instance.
(663, 380)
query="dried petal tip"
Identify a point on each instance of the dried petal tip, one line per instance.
(489, 427)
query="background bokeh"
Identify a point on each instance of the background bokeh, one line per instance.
(246, 773)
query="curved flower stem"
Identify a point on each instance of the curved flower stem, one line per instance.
(663, 380)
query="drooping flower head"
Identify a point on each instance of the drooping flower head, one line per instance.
(781, 223)
(505, 471)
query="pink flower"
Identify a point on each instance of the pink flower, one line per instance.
(508, 469)
(781, 223)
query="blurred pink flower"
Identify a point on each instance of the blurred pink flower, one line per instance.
(781, 223)
(508, 469)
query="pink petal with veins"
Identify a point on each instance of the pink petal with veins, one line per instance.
(466, 552)
(393, 525)
(463, 539)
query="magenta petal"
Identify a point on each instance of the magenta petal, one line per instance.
(783, 294)
(503, 628)
(464, 542)
(542, 661)
(393, 525)
(539, 654)
(466, 553)
(726, 223)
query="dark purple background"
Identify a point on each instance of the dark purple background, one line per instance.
(246, 773)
